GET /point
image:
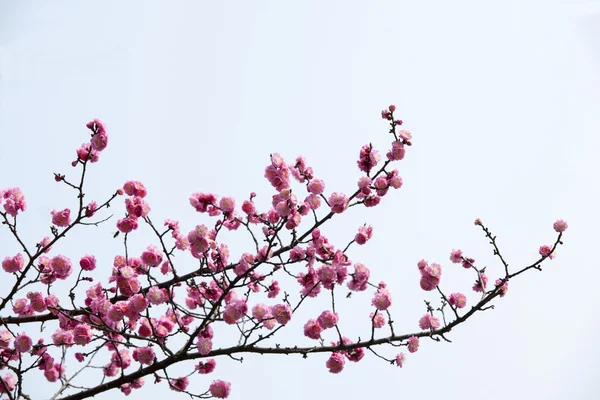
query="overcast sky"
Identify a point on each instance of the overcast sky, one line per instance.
(503, 100)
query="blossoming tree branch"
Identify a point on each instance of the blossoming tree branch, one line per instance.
(151, 313)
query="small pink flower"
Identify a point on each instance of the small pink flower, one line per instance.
(457, 300)
(364, 234)
(316, 186)
(503, 289)
(234, 311)
(135, 188)
(14, 201)
(480, 284)
(227, 204)
(88, 263)
(335, 363)
(152, 256)
(378, 319)
(144, 355)
(5, 338)
(382, 299)
(136, 207)
(220, 389)
(206, 367)
(179, 384)
(413, 344)
(9, 382)
(61, 217)
(82, 334)
(127, 225)
(338, 202)
(456, 256)
(80, 357)
(397, 151)
(156, 295)
(282, 313)
(13, 264)
(23, 343)
(327, 319)
(99, 141)
(37, 301)
(400, 360)
(312, 329)
(560, 225)
(61, 266)
(90, 209)
(546, 251)
(428, 321)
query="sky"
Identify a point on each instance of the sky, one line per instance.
(502, 99)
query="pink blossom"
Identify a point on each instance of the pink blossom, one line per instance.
(14, 201)
(137, 207)
(468, 262)
(227, 204)
(152, 256)
(364, 234)
(378, 319)
(45, 242)
(88, 263)
(13, 264)
(96, 126)
(5, 338)
(382, 299)
(144, 355)
(400, 360)
(220, 389)
(82, 334)
(135, 188)
(138, 302)
(546, 251)
(278, 173)
(316, 186)
(179, 384)
(503, 289)
(61, 217)
(428, 321)
(206, 367)
(406, 135)
(90, 209)
(85, 153)
(21, 308)
(204, 345)
(456, 256)
(360, 277)
(397, 151)
(457, 300)
(430, 275)
(8, 384)
(560, 226)
(62, 337)
(327, 275)
(413, 344)
(80, 357)
(234, 311)
(56, 371)
(127, 225)
(99, 141)
(117, 311)
(23, 343)
(156, 295)
(335, 363)
(338, 202)
(37, 301)
(273, 290)
(312, 329)
(61, 266)
(368, 158)
(327, 319)
(480, 284)
(282, 313)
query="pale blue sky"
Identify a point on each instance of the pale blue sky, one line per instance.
(502, 99)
